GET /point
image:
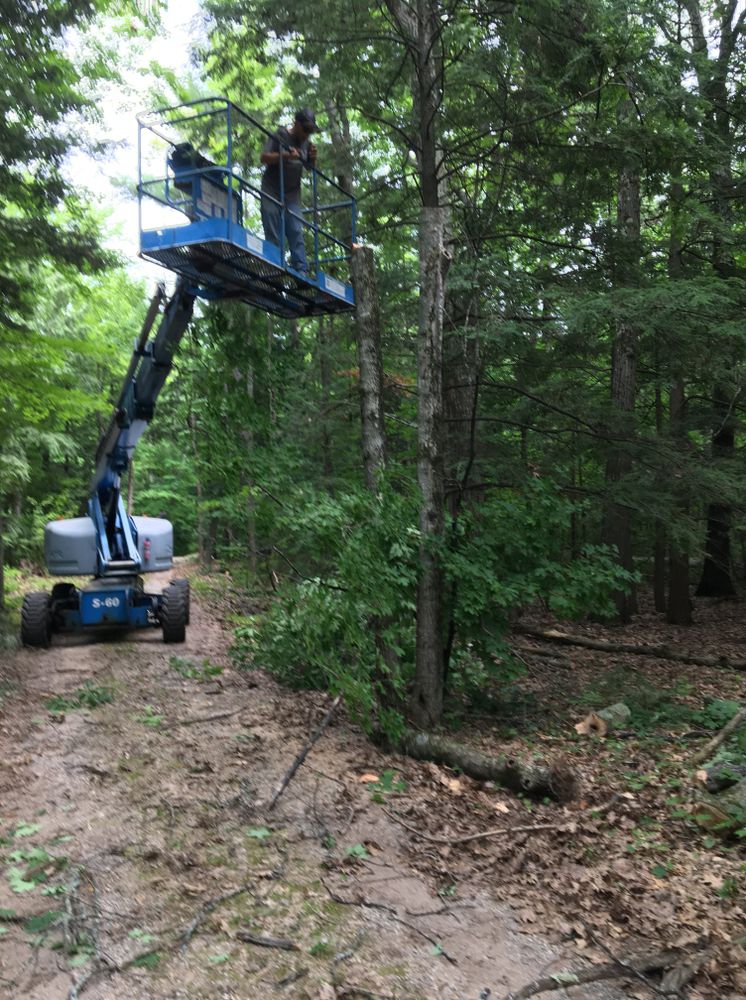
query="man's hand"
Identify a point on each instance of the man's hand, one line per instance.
(293, 153)
(311, 153)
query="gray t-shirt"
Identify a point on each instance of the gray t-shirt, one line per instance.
(292, 169)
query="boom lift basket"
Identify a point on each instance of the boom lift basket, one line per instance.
(207, 226)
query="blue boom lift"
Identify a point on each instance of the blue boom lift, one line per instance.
(208, 237)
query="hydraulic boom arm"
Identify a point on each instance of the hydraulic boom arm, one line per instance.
(149, 368)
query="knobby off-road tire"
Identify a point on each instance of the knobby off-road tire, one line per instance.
(173, 614)
(36, 620)
(183, 585)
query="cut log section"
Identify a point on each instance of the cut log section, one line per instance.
(556, 780)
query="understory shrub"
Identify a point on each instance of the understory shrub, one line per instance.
(511, 552)
(331, 628)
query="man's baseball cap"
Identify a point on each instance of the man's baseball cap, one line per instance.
(307, 119)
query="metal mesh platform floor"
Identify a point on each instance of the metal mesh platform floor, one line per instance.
(222, 269)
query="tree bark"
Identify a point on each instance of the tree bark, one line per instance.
(420, 26)
(712, 76)
(322, 346)
(717, 578)
(557, 781)
(460, 399)
(679, 605)
(370, 366)
(370, 363)
(617, 530)
(659, 544)
(427, 695)
(201, 533)
(248, 435)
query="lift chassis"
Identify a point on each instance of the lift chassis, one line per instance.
(108, 544)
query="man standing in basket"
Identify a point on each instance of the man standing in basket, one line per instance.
(293, 147)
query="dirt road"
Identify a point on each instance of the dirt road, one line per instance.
(136, 845)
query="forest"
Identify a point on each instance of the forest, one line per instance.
(500, 499)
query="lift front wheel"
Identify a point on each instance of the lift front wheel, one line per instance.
(173, 614)
(36, 620)
(183, 586)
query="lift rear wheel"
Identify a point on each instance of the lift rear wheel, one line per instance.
(183, 586)
(36, 620)
(174, 614)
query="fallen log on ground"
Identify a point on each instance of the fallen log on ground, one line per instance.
(594, 974)
(721, 776)
(640, 649)
(730, 727)
(722, 813)
(556, 780)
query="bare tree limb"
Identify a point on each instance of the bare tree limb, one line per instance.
(709, 748)
(483, 835)
(661, 652)
(304, 753)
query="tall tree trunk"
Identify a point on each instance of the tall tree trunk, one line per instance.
(717, 578)
(618, 521)
(325, 378)
(370, 364)
(420, 25)
(250, 501)
(201, 532)
(659, 545)
(427, 694)
(679, 605)
(461, 399)
(713, 72)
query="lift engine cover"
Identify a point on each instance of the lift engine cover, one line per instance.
(70, 547)
(155, 543)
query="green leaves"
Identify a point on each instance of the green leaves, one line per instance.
(258, 832)
(150, 717)
(87, 696)
(18, 882)
(26, 829)
(387, 784)
(357, 851)
(330, 629)
(138, 934)
(147, 961)
(43, 921)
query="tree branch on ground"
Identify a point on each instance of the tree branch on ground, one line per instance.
(394, 916)
(730, 727)
(660, 652)
(304, 753)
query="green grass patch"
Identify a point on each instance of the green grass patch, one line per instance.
(89, 695)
